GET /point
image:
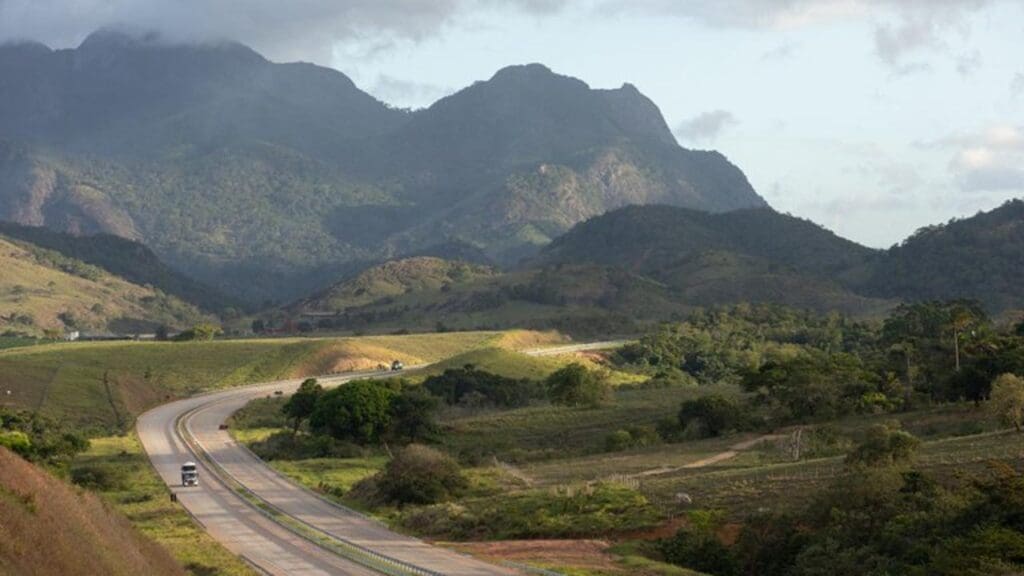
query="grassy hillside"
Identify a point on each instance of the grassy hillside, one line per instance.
(122, 257)
(395, 278)
(41, 289)
(103, 386)
(48, 527)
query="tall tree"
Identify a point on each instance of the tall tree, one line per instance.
(301, 405)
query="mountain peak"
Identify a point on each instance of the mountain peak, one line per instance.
(113, 41)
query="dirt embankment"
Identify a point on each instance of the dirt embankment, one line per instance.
(48, 527)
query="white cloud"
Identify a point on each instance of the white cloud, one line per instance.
(705, 127)
(989, 161)
(406, 93)
(297, 29)
(902, 28)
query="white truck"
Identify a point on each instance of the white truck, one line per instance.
(189, 474)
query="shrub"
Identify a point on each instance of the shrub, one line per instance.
(1006, 402)
(98, 478)
(883, 446)
(711, 415)
(575, 385)
(420, 475)
(618, 440)
(700, 551)
(15, 441)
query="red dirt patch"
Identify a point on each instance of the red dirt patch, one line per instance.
(583, 554)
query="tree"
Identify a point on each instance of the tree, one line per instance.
(302, 404)
(713, 414)
(162, 332)
(420, 475)
(811, 385)
(359, 411)
(1006, 402)
(575, 385)
(202, 332)
(414, 415)
(883, 446)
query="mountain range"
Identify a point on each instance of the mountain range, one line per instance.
(268, 180)
(643, 264)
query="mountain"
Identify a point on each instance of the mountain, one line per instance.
(42, 290)
(632, 266)
(981, 258)
(268, 180)
(50, 528)
(655, 240)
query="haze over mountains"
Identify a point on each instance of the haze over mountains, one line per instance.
(267, 180)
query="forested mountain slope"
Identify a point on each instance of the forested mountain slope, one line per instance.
(266, 179)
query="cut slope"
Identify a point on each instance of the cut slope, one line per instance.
(47, 527)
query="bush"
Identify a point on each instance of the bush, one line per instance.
(420, 475)
(98, 478)
(15, 441)
(699, 549)
(711, 415)
(575, 385)
(286, 446)
(631, 437)
(883, 446)
(1006, 401)
(456, 385)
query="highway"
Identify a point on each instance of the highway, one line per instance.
(190, 430)
(273, 523)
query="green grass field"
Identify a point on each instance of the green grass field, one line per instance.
(128, 482)
(102, 386)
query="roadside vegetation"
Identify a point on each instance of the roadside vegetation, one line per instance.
(716, 444)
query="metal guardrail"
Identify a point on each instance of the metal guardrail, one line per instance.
(341, 546)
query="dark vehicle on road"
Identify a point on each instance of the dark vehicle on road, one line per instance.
(396, 366)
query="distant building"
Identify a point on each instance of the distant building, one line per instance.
(72, 335)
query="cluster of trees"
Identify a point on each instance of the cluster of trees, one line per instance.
(882, 517)
(39, 439)
(365, 411)
(720, 345)
(470, 386)
(798, 367)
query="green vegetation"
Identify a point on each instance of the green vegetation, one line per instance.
(40, 439)
(419, 475)
(45, 292)
(117, 468)
(120, 257)
(102, 386)
(575, 385)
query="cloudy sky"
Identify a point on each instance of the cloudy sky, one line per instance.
(872, 117)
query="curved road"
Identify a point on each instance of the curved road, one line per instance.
(246, 531)
(189, 429)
